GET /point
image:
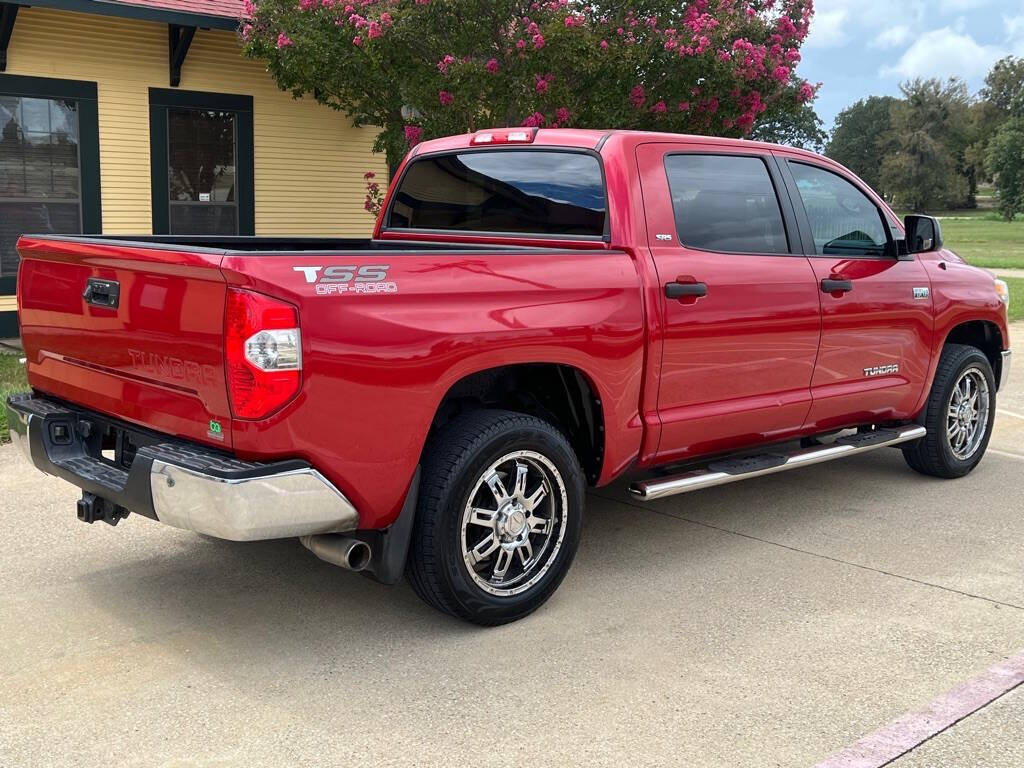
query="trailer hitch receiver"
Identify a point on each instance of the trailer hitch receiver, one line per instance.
(92, 508)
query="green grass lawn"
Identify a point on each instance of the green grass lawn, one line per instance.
(1016, 297)
(12, 379)
(985, 240)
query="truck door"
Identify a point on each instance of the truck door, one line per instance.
(739, 301)
(876, 306)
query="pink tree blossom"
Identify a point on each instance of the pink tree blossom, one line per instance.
(699, 66)
(413, 135)
(637, 97)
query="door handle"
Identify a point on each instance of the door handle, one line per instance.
(679, 290)
(829, 285)
(102, 293)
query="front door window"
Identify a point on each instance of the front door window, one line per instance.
(201, 172)
(843, 220)
(40, 176)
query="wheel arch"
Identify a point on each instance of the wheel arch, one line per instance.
(561, 394)
(981, 334)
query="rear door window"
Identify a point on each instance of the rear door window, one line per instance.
(844, 221)
(725, 203)
(539, 192)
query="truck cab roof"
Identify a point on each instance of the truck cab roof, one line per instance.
(595, 139)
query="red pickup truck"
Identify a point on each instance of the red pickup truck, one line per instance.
(538, 311)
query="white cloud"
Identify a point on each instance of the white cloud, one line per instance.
(952, 6)
(891, 37)
(828, 29)
(837, 22)
(1014, 26)
(942, 53)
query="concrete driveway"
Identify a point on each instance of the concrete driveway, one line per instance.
(770, 623)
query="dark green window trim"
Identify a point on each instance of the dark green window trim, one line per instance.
(88, 142)
(9, 325)
(159, 101)
(46, 87)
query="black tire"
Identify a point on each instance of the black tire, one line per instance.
(456, 461)
(935, 454)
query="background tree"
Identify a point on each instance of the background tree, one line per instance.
(924, 164)
(983, 120)
(1004, 85)
(855, 138)
(800, 127)
(998, 114)
(426, 68)
(1006, 164)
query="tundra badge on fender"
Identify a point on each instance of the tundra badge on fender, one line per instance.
(882, 370)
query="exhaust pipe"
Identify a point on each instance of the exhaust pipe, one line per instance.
(347, 552)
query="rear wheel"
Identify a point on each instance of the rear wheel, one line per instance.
(958, 416)
(499, 517)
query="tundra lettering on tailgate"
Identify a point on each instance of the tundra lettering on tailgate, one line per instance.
(344, 280)
(172, 367)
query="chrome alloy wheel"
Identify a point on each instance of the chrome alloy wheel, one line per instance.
(967, 414)
(514, 523)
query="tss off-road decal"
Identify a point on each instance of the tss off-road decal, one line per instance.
(345, 280)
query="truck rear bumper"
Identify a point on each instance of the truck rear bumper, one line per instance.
(1004, 371)
(178, 483)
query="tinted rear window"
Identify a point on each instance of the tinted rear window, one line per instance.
(520, 191)
(725, 203)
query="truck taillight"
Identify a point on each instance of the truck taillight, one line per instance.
(263, 352)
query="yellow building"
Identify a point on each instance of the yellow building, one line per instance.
(143, 117)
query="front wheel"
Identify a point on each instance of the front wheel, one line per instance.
(499, 516)
(959, 415)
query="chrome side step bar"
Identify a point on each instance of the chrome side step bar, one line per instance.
(729, 471)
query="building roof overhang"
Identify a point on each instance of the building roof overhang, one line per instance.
(186, 14)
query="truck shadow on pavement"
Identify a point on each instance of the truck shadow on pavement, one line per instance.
(275, 597)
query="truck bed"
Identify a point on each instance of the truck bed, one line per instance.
(255, 245)
(387, 327)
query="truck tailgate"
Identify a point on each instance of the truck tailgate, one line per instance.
(153, 354)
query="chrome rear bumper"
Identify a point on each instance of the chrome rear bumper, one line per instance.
(184, 485)
(1004, 371)
(276, 505)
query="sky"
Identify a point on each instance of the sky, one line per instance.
(860, 48)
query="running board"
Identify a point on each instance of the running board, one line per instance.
(731, 470)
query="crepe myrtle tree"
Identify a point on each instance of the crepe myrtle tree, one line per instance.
(428, 68)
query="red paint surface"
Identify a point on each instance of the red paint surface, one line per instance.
(158, 360)
(764, 356)
(736, 365)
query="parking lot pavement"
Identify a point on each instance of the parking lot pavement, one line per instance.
(991, 738)
(768, 623)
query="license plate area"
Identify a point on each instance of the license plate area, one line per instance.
(70, 433)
